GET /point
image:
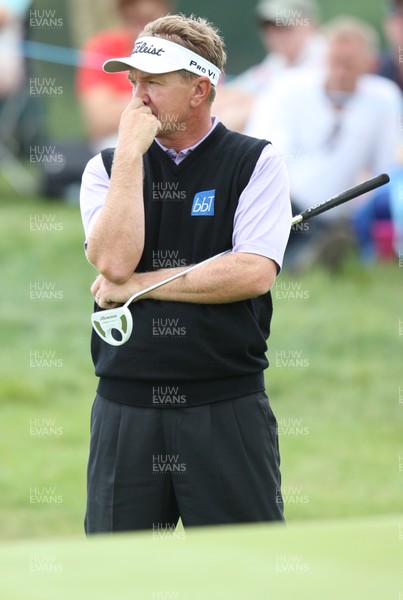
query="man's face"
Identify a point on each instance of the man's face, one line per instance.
(168, 95)
(140, 12)
(289, 41)
(394, 28)
(348, 60)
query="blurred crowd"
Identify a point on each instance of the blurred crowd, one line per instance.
(330, 100)
(328, 95)
(19, 125)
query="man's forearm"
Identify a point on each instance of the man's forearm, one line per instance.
(116, 242)
(232, 278)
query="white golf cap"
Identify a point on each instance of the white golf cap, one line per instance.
(158, 55)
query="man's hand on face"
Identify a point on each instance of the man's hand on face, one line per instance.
(138, 128)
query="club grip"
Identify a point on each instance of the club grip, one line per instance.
(354, 192)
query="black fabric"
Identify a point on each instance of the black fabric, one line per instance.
(218, 346)
(211, 465)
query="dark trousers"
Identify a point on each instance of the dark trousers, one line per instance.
(212, 464)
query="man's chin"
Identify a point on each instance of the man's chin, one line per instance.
(168, 130)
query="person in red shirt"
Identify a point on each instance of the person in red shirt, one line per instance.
(103, 98)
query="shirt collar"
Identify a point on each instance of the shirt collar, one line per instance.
(177, 157)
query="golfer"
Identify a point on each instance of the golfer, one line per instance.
(181, 425)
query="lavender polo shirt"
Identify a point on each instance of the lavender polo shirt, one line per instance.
(262, 219)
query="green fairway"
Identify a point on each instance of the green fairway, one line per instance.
(335, 380)
(349, 559)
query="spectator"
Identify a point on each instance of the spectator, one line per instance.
(288, 30)
(334, 127)
(102, 98)
(391, 64)
(20, 120)
(88, 17)
(12, 15)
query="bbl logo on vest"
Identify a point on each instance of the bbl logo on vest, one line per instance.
(203, 204)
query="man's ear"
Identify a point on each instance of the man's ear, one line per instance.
(200, 91)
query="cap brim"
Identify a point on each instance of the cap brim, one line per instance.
(266, 15)
(142, 62)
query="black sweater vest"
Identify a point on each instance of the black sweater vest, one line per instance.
(183, 354)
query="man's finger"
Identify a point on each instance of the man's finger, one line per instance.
(135, 103)
(96, 285)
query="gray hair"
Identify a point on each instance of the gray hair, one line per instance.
(347, 27)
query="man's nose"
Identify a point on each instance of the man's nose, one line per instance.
(140, 92)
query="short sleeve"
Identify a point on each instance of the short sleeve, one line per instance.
(262, 220)
(94, 189)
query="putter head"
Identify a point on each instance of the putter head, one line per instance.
(118, 320)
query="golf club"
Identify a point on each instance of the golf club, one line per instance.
(119, 321)
(354, 192)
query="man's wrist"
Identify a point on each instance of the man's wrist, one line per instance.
(127, 158)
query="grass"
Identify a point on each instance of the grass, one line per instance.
(339, 413)
(347, 399)
(332, 560)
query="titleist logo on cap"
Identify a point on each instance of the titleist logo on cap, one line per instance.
(143, 48)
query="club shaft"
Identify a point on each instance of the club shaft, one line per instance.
(155, 286)
(354, 192)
